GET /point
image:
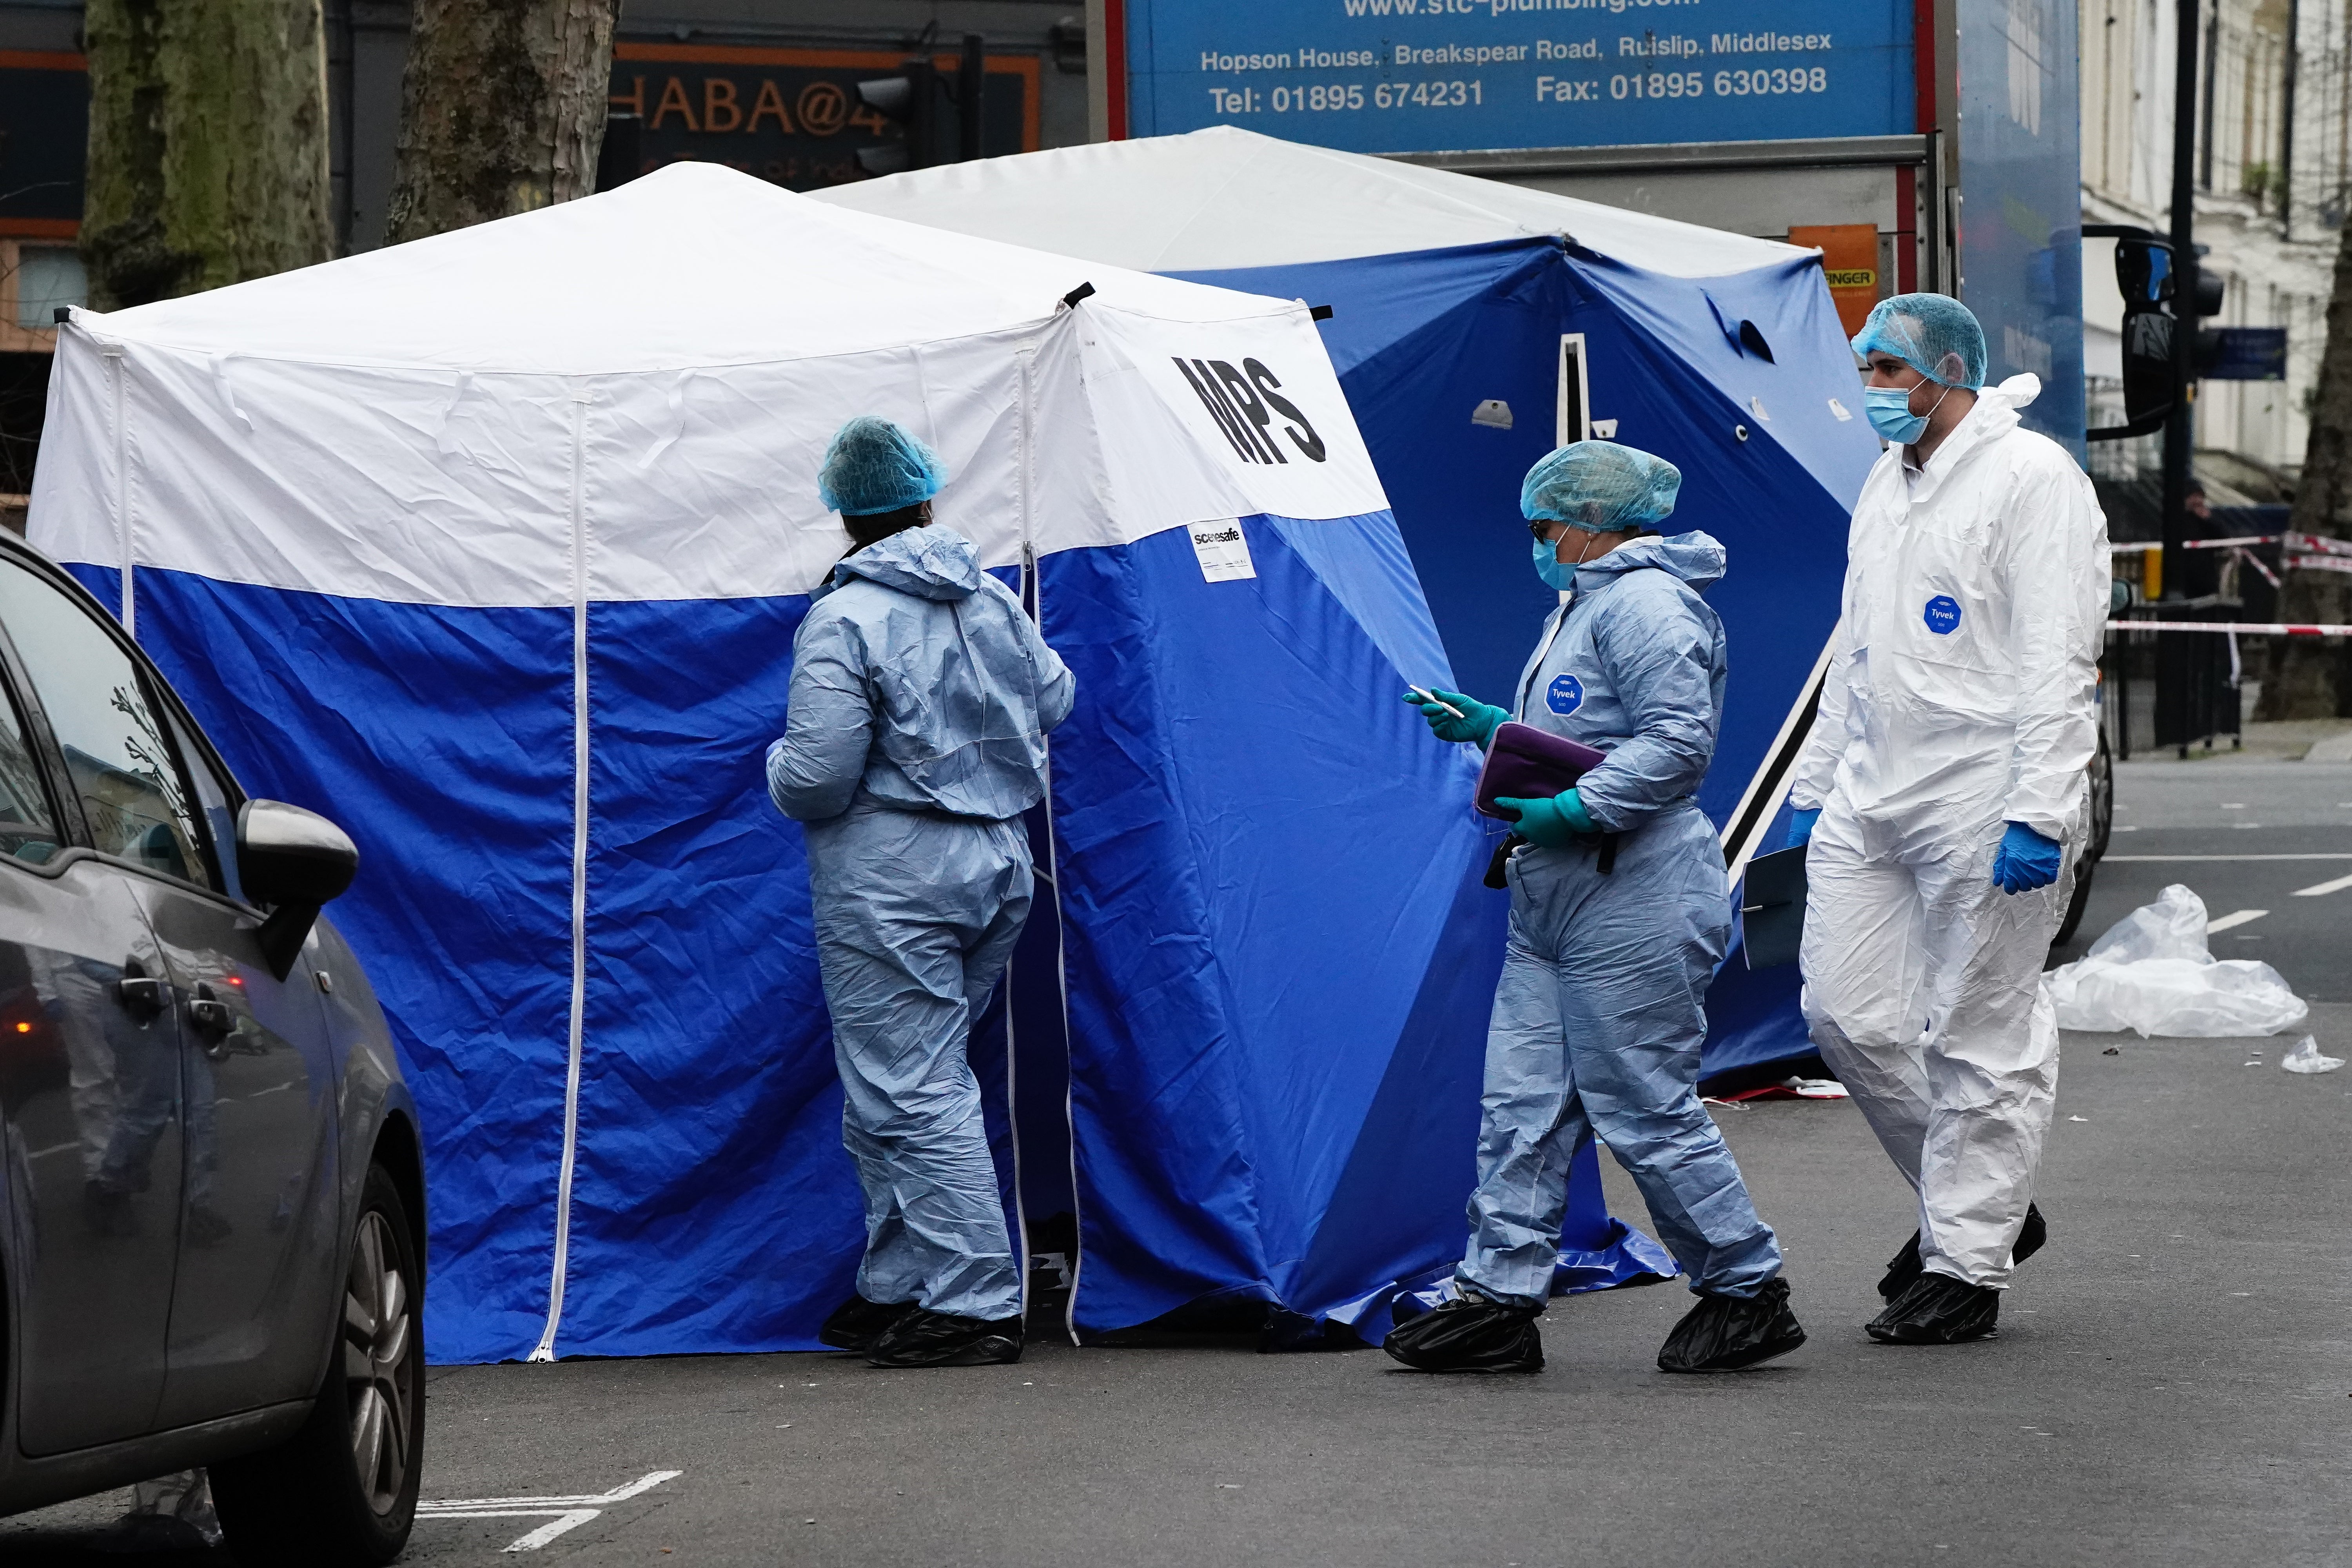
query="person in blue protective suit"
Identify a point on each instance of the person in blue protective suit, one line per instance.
(915, 739)
(1942, 797)
(1620, 913)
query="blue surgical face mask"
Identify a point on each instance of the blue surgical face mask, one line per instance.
(1889, 411)
(1556, 573)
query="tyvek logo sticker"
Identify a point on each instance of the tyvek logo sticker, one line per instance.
(1565, 695)
(1943, 615)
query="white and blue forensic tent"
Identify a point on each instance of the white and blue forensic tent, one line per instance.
(1558, 319)
(491, 546)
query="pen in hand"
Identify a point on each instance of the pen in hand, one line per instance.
(1428, 696)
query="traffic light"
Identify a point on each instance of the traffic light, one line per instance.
(2149, 285)
(911, 102)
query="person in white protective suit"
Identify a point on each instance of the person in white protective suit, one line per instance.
(1943, 795)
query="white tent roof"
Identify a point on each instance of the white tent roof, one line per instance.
(1227, 197)
(694, 264)
(627, 397)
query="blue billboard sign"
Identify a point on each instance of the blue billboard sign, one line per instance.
(1416, 76)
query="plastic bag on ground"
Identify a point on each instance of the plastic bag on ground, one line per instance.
(171, 1513)
(2151, 973)
(2304, 1056)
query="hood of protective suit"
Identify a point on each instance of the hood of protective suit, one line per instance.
(932, 563)
(1994, 416)
(1695, 558)
(920, 684)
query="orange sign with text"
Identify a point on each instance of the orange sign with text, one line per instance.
(1850, 261)
(792, 116)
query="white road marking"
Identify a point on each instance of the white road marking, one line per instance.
(2238, 918)
(2170, 857)
(2234, 806)
(551, 1529)
(571, 1512)
(2318, 888)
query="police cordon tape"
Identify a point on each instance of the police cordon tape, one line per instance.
(2309, 543)
(2243, 629)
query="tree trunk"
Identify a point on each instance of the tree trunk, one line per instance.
(502, 110)
(2307, 677)
(207, 145)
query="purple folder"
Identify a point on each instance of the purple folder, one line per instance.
(1529, 764)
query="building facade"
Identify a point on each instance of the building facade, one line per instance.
(766, 86)
(2271, 171)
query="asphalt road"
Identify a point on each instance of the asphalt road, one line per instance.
(2173, 1381)
(2245, 835)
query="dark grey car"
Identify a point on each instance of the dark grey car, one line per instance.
(212, 1208)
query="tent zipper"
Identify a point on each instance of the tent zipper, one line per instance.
(545, 1351)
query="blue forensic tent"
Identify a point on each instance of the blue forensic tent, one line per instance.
(1476, 325)
(493, 546)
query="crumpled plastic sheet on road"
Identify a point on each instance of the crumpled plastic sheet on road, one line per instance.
(2151, 973)
(2304, 1056)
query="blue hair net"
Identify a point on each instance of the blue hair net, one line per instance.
(1934, 334)
(874, 466)
(1599, 486)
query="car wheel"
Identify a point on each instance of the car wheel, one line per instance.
(343, 1489)
(2102, 798)
(2075, 905)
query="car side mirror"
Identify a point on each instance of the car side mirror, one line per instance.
(294, 860)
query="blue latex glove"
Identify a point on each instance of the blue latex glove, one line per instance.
(1556, 823)
(1475, 726)
(1801, 827)
(2026, 861)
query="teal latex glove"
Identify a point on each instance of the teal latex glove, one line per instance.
(1475, 726)
(1556, 823)
(1801, 827)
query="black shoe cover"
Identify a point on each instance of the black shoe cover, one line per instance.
(2031, 1236)
(855, 1323)
(925, 1338)
(1724, 1334)
(1470, 1333)
(1938, 1310)
(1904, 1268)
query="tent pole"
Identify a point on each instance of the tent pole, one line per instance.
(113, 353)
(1771, 783)
(1012, 1135)
(1034, 582)
(1069, 1081)
(545, 1349)
(1012, 1039)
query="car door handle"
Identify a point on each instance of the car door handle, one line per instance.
(144, 994)
(209, 1014)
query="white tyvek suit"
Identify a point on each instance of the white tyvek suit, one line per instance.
(1959, 696)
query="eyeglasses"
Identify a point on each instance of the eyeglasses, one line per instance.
(1540, 526)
